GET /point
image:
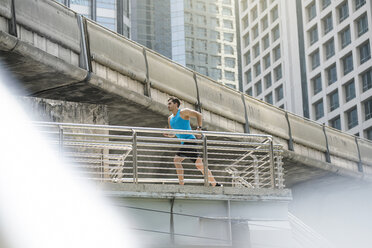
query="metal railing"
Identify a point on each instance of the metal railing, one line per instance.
(144, 155)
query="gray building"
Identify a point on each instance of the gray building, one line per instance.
(204, 38)
(151, 25)
(312, 58)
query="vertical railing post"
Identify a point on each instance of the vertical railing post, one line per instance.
(60, 141)
(272, 164)
(205, 160)
(134, 153)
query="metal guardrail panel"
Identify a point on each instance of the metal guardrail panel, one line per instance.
(144, 155)
(121, 54)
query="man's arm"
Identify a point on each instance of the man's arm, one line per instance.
(187, 113)
(169, 127)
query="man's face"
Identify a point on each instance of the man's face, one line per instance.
(171, 105)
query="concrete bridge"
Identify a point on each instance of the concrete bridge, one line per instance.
(58, 54)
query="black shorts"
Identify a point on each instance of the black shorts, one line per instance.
(187, 152)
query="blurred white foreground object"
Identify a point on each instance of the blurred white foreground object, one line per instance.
(41, 203)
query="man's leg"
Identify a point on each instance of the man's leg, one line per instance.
(179, 169)
(199, 165)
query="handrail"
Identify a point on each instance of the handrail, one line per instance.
(125, 154)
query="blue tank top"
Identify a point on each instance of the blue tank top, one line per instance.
(177, 122)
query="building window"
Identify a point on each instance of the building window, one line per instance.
(226, 11)
(266, 42)
(345, 37)
(213, 8)
(245, 22)
(269, 98)
(311, 11)
(368, 109)
(201, 6)
(343, 11)
(228, 37)
(263, 4)
(215, 22)
(362, 24)
(228, 49)
(215, 60)
(216, 74)
(254, 13)
(330, 48)
(348, 63)
(246, 40)
(279, 93)
(228, 24)
(249, 91)
(367, 80)
(317, 84)
(229, 75)
(313, 35)
(264, 23)
(333, 101)
(332, 74)
(274, 14)
(248, 76)
(188, 17)
(256, 50)
(364, 52)
(268, 81)
(336, 123)
(267, 61)
(319, 111)
(201, 20)
(190, 57)
(359, 3)
(255, 31)
(202, 45)
(201, 32)
(352, 118)
(257, 69)
(202, 58)
(258, 87)
(315, 60)
(278, 72)
(214, 35)
(276, 33)
(247, 58)
(350, 90)
(325, 3)
(277, 53)
(327, 24)
(214, 47)
(230, 62)
(202, 69)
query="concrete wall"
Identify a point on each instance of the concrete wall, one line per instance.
(42, 109)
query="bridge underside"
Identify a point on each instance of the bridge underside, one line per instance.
(37, 78)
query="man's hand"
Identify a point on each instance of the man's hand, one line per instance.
(169, 135)
(198, 136)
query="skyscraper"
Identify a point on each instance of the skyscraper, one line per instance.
(204, 38)
(113, 14)
(312, 58)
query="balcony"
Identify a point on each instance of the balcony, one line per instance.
(137, 155)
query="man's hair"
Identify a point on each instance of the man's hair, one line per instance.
(175, 100)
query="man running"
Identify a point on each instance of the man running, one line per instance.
(180, 119)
